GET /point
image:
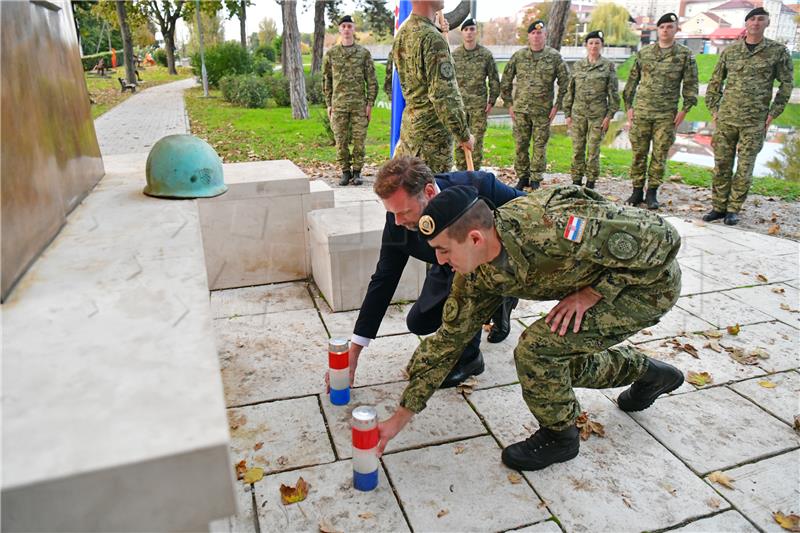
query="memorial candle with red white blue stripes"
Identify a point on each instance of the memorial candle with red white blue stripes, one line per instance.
(364, 424)
(339, 370)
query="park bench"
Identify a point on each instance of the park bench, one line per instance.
(127, 86)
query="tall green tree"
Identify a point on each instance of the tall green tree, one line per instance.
(542, 12)
(267, 31)
(165, 15)
(213, 31)
(377, 18)
(612, 19)
(127, 42)
(787, 165)
(293, 60)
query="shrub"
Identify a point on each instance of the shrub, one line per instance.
(327, 130)
(160, 56)
(223, 59)
(279, 90)
(246, 90)
(262, 66)
(267, 51)
(229, 85)
(314, 93)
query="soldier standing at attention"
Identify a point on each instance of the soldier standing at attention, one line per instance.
(434, 113)
(591, 101)
(474, 67)
(614, 270)
(536, 68)
(350, 87)
(742, 111)
(655, 82)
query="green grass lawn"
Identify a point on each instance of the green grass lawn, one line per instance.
(789, 117)
(705, 68)
(240, 134)
(105, 92)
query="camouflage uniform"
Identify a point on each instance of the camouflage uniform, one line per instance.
(655, 82)
(350, 85)
(434, 112)
(592, 95)
(535, 72)
(626, 254)
(741, 109)
(387, 79)
(473, 69)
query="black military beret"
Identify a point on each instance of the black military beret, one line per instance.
(467, 23)
(667, 17)
(445, 208)
(346, 18)
(756, 11)
(536, 25)
(597, 34)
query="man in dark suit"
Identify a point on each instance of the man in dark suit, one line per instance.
(406, 185)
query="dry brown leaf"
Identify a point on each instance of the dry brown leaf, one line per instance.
(258, 446)
(442, 513)
(459, 449)
(282, 461)
(786, 307)
(298, 493)
(742, 357)
(774, 229)
(691, 350)
(797, 423)
(366, 516)
(646, 332)
(722, 479)
(767, 384)
(236, 422)
(587, 426)
(626, 500)
(487, 327)
(713, 345)
(701, 379)
(327, 527)
(734, 330)
(514, 478)
(713, 503)
(762, 278)
(241, 468)
(788, 522)
(253, 475)
(713, 334)
(778, 290)
(467, 385)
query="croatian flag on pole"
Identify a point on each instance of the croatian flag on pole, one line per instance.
(402, 9)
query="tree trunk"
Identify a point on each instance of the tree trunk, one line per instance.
(319, 36)
(294, 60)
(169, 46)
(127, 43)
(242, 17)
(557, 23)
(284, 64)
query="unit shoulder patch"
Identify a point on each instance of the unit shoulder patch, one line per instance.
(622, 245)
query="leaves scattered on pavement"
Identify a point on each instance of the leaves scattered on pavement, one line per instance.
(767, 384)
(718, 477)
(701, 379)
(788, 522)
(253, 475)
(588, 426)
(298, 493)
(734, 330)
(514, 478)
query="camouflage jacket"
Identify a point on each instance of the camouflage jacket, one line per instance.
(593, 90)
(473, 68)
(427, 77)
(619, 247)
(748, 78)
(535, 72)
(387, 79)
(348, 78)
(654, 83)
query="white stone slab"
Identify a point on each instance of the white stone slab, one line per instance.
(244, 521)
(331, 501)
(691, 228)
(447, 417)
(628, 465)
(532, 308)
(721, 310)
(342, 323)
(763, 298)
(348, 196)
(675, 322)
(269, 357)
(385, 360)
(715, 428)
(727, 522)
(693, 282)
(783, 401)
(321, 195)
(547, 526)
(779, 340)
(499, 359)
(253, 179)
(745, 269)
(708, 245)
(461, 486)
(761, 243)
(765, 487)
(280, 435)
(261, 299)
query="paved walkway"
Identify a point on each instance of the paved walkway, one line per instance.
(138, 122)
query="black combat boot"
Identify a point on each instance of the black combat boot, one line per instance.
(535, 185)
(637, 196)
(502, 320)
(712, 215)
(542, 449)
(731, 219)
(577, 181)
(346, 177)
(590, 184)
(462, 371)
(659, 378)
(521, 183)
(357, 177)
(652, 198)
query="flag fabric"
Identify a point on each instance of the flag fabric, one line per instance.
(401, 11)
(574, 230)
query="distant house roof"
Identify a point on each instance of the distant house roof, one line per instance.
(739, 4)
(793, 7)
(726, 33)
(716, 18)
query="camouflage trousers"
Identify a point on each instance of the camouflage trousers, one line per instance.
(586, 132)
(527, 125)
(436, 149)
(476, 118)
(350, 127)
(549, 366)
(729, 190)
(661, 132)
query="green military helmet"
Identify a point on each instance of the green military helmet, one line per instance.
(184, 166)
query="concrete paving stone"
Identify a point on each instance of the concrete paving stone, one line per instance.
(447, 417)
(709, 245)
(258, 353)
(715, 428)
(765, 487)
(612, 484)
(499, 359)
(744, 269)
(675, 322)
(765, 299)
(280, 435)
(693, 282)
(533, 308)
(781, 401)
(721, 310)
(548, 526)
(331, 501)
(461, 486)
(344, 196)
(779, 340)
(244, 521)
(385, 360)
(691, 228)
(276, 298)
(727, 522)
(762, 243)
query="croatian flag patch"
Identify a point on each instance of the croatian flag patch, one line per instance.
(574, 230)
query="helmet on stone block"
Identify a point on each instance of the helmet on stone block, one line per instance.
(184, 166)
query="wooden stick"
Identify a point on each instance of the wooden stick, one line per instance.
(468, 157)
(440, 18)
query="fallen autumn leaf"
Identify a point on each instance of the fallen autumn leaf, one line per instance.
(253, 475)
(514, 478)
(788, 522)
(587, 426)
(442, 513)
(767, 384)
(294, 494)
(701, 379)
(734, 330)
(722, 479)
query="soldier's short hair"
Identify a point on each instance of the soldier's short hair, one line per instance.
(479, 216)
(408, 172)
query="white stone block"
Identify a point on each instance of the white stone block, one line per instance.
(345, 244)
(321, 195)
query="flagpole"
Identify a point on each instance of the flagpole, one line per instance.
(401, 11)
